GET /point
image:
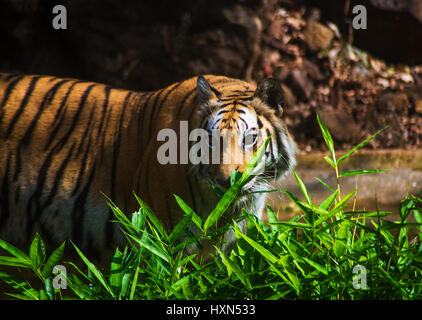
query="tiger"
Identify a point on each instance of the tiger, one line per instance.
(65, 143)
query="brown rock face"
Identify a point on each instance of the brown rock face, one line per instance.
(317, 36)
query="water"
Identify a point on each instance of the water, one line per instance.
(404, 176)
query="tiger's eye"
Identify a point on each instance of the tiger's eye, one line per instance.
(249, 140)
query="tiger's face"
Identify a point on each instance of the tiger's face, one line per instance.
(238, 122)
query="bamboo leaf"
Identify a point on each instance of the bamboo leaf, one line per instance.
(316, 266)
(14, 262)
(264, 252)
(37, 252)
(152, 217)
(233, 267)
(328, 140)
(179, 228)
(326, 204)
(94, 271)
(302, 187)
(330, 161)
(222, 205)
(189, 212)
(325, 184)
(360, 145)
(154, 249)
(235, 176)
(116, 272)
(250, 170)
(359, 172)
(272, 218)
(14, 251)
(53, 260)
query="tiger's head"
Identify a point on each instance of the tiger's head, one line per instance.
(238, 120)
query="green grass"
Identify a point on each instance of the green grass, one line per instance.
(328, 251)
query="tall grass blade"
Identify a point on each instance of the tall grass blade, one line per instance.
(360, 145)
(152, 217)
(189, 212)
(359, 172)
(94, 271)
(328, 140)
(302, 187)
(53, 260)
(14, 251)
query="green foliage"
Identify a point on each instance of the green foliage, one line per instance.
(311, 256)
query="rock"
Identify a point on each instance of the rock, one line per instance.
(312, 70)
(414, 94)
(414, 7)
(138, 46)
(393, 102)
(317, 36)
(341, 125)
(301, 85)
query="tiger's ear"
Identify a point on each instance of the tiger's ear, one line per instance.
(272, 94)
(206, 91)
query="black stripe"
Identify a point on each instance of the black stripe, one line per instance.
(42, 174)
(68, 134)
(142, 113)
(109, 226)
(271, 143)
(117, 147)
(7, 77)
(88, 130)
(48, 97)
(164, 100)
(227, 104)
(244, 121)
(59, 116)
(154, 105)
(195, 107)
(33, 217)
(23, 105)
(103, 135)
(182, 104)
(260, 125)
(104, 111)
(58, 177)
(7, 93)
(17, 165)
(241, 104)
(82, 168)
(221, 112)
(78, 211)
